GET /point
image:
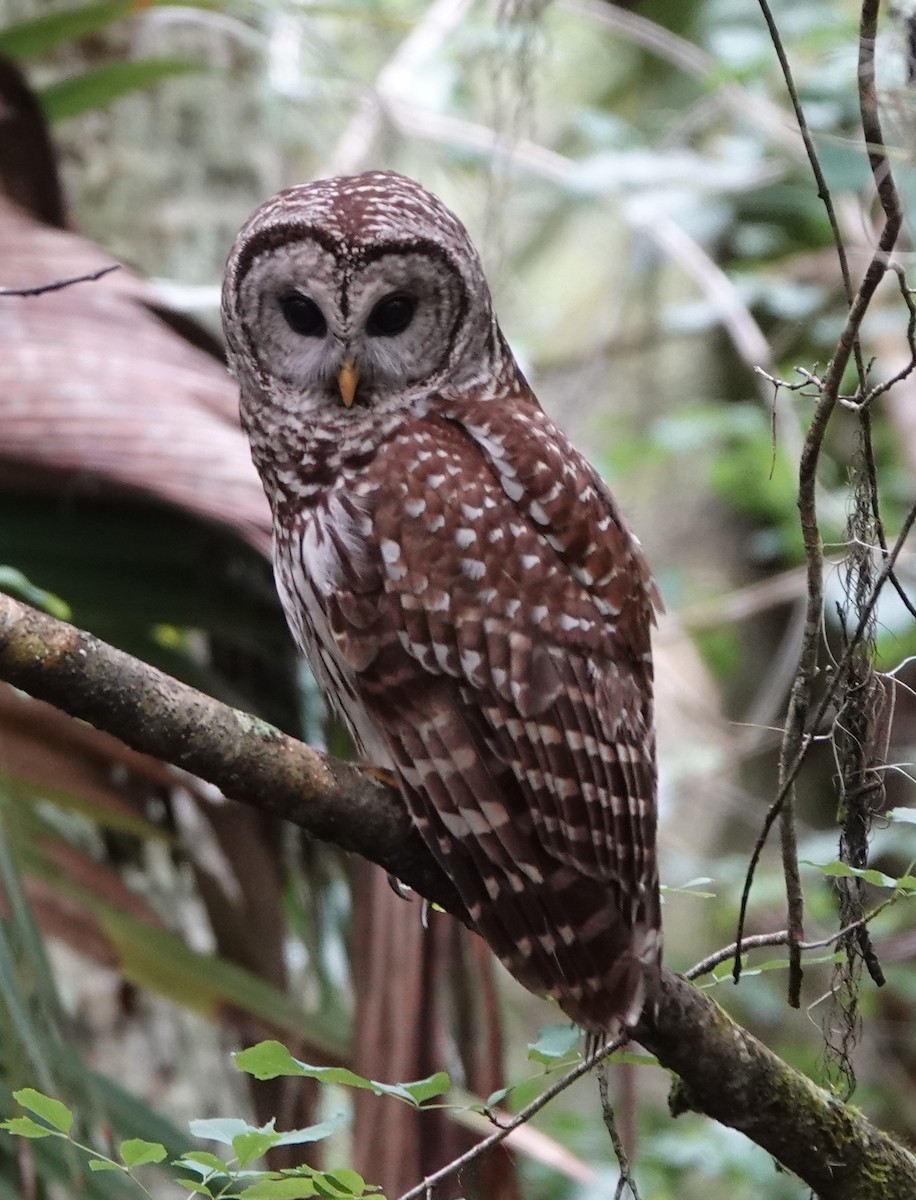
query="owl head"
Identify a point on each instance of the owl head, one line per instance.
(353, 291)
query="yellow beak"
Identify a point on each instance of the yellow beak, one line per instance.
(347, 379)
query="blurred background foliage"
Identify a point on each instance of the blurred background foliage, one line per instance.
(652, 235)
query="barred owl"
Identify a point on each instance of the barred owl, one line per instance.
(458, 576)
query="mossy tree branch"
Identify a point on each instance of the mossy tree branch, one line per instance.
(724, 1071)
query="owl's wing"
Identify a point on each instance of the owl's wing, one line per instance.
(509, 676)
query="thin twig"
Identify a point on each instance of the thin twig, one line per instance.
(867, 402)
(884, 576)
(801, 690)
(796, 741)
(871, 468)
(626, 1179)
(711, 961)
(780, 937)
(880, 389)
(59, 284)
(825, 702)
(425, 1186)
(823, 191)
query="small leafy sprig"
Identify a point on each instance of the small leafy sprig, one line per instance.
(58, 1120)
(231, 1176)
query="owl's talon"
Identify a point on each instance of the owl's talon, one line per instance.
(381, 775)
(399, 889)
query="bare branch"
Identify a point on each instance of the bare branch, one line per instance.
(780, 937)
(805, 1128)
(725, 1072)
(827, 699)
(626, 1180)
(823, 190)
(754, 942)
(906, 294)
(425, 1187)
(800, 696)
(796, 740)
(248, 759)
(59, 284)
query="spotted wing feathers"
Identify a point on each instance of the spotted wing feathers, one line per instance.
(506, 669)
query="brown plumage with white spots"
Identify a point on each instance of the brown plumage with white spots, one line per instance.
(458, 576)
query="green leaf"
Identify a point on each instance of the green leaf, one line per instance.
(26, 1127)
(30, 39)
(220, 1129)
(135, 1152)
(279, 1189)
(349, 1182)
(203, 1162)
(102, 85)
(36, 37)
(638, 1060)
(313, 1133)
(46, 1107)
(723, 972)
(841, 870)
(270, 1059)
(231, 1131)
(326, 1186)
(104, 1164)
(252, 1144)
(420, 1090)
(554, 1042)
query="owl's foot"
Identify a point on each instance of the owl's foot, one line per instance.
(388, 779)
(399, 889)
(381, 775)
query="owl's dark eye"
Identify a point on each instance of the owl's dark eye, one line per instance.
(391, 315)
(303, 315)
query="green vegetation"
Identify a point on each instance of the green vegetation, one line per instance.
(660, 259)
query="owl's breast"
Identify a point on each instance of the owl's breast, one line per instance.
(321, 556)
